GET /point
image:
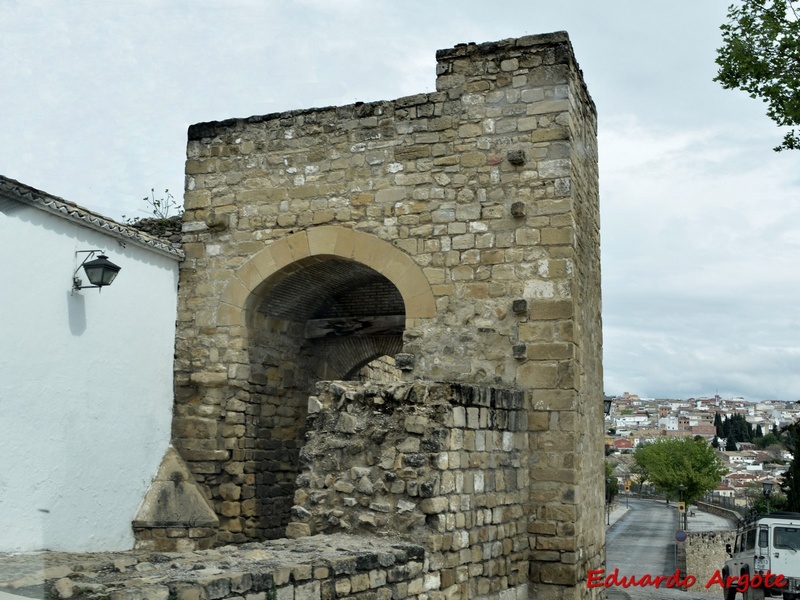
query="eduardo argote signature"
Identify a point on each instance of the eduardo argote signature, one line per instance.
(742, 583)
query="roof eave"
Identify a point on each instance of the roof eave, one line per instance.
(14, 190)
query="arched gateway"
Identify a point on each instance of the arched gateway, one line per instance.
(316, 305)
(454, 234)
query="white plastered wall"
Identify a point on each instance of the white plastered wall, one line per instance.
(85, 384)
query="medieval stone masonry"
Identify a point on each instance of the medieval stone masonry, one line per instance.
(453, 237)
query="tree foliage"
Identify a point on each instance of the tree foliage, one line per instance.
(736, 429)
(758, 502)
(766, 441)
(612, 483)
(790, 484)
(672, 462)
(761, 56)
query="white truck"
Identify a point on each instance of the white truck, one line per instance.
(764, 561)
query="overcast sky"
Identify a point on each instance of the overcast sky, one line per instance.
(700, 218)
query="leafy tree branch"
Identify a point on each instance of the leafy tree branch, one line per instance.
(761, 56)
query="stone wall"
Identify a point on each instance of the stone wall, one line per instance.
(439, 464)
(704, 553)
(456, 231)
(316, 568)
(721, 511)
(381, 370)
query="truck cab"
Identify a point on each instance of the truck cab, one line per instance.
(767, 543)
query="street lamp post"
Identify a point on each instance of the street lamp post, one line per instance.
(681, 487)
(767, 487)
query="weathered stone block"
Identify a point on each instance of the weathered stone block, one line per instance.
(404, 361)
(538, 375)
(558, 573)
(433, 505)
(551, 309)
(230, 491)
(296, 530)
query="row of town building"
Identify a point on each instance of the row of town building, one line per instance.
(634, 420)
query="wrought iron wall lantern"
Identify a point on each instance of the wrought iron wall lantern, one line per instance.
(607, 402)
(100, 271)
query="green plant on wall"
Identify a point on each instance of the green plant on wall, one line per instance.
(163, 209)
(272, 593)
(166, 219)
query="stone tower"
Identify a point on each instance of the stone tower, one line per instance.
(439, 254)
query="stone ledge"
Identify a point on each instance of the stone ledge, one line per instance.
(463, 50)
(304, 568)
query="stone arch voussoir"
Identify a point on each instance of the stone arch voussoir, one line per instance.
(240, 295)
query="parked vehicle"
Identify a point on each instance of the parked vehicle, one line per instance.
(764, 560)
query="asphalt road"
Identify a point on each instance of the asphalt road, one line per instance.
(643, 542)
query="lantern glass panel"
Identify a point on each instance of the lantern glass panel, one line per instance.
(101, 271)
